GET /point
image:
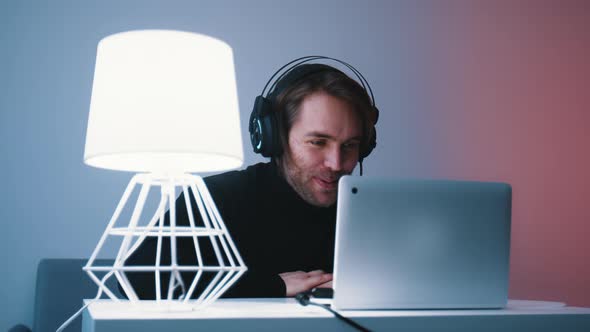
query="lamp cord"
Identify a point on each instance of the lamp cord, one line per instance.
(71, 319)
(178, 283)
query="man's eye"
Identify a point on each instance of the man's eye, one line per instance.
(351, 145)
(317, 142)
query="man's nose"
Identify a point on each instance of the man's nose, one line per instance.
(333, 159)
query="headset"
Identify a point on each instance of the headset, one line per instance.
(264, 126)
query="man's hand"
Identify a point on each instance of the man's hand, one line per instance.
(297, 282)
(325, 285)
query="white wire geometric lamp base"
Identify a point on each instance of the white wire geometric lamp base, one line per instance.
(226, 270)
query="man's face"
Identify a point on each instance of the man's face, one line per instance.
(324, 144)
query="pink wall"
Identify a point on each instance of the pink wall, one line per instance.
(516, 82)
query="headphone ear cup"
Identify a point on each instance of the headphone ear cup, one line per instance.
(376, 115)
(255, 125)
(269, 131)
(275, 148)
(263, 129)
(372, 143)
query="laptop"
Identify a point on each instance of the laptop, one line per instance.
(421, 244)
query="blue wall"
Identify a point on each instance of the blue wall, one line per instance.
(55, 206)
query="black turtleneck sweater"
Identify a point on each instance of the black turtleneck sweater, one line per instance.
(274, 230)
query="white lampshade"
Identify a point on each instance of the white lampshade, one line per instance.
(164, 102)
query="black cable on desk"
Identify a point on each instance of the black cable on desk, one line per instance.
(304, 299)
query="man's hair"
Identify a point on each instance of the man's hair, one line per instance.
(334, 83)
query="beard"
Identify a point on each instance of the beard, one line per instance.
(306, 182)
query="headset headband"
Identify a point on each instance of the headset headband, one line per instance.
(299, 61)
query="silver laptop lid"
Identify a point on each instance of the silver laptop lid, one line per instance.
(419, 244)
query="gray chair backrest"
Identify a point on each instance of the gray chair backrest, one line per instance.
(61, 287)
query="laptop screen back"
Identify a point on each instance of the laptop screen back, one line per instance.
(421, 244)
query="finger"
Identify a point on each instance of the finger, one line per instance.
(315, 281)
(324, 276)
(315, 273)
(290, 274)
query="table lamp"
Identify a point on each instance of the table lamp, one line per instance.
(164, 105)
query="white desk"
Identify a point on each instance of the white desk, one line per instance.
(287, 315)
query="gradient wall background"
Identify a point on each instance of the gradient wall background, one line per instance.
(467, 90)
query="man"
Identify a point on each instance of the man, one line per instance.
(282, 214)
